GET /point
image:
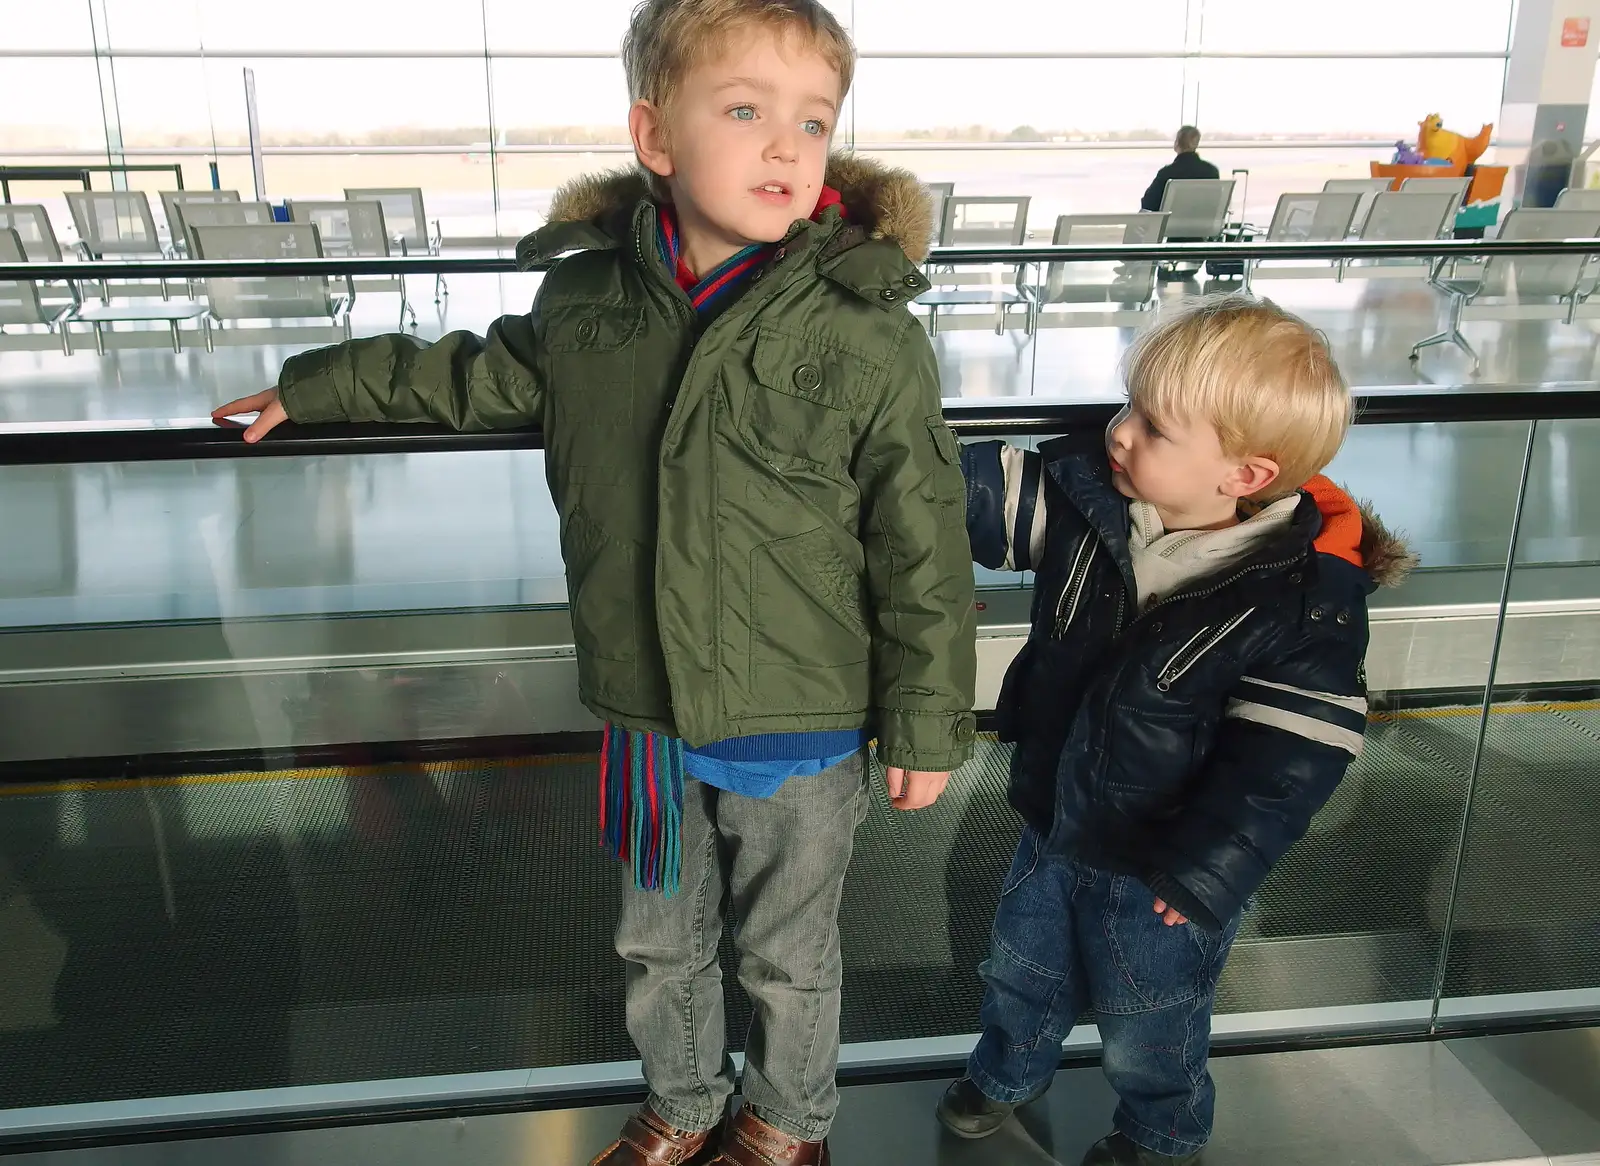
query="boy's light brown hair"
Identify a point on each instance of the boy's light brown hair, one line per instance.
(1261, 377)
(667, 39)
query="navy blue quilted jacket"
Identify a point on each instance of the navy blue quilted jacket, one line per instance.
(1188, 745)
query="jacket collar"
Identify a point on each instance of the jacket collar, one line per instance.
(871, 248)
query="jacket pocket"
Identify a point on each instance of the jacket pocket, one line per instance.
(1156, 966)
(592, 368)
(1148, 761)
(809, 636)
(799, 400)
(601, 592)
(599, 326)
(1023, 862)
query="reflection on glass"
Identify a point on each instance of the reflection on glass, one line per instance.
(1516, 944)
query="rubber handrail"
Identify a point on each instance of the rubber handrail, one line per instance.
(953, 256)
(198, 438)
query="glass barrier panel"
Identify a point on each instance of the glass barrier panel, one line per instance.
(1521, 943)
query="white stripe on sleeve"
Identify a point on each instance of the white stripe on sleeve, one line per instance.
(1311, 728)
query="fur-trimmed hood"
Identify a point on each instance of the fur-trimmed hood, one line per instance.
(888, 203)
(1384, 554)
(1352, 531)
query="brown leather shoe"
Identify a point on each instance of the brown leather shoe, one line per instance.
(646, 1140)
(749, 1141)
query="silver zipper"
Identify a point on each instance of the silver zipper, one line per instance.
(1187, 656)
(1067, 605)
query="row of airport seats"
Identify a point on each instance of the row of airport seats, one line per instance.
(1080, 294)
(382, 222)
(208, 224)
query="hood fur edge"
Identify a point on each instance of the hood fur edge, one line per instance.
(890, 203)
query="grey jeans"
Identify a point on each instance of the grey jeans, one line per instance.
(779, 864)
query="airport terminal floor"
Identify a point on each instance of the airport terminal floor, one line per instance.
(297, 821)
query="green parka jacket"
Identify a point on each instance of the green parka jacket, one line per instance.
(763, 519)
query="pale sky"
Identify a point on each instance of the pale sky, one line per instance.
(160, 96)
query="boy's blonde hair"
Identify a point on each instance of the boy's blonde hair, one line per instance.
(666, 39)
(1261, 377)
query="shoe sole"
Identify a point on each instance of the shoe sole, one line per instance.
(968, 1135)
(979, 1135)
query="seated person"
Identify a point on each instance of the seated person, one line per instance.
(1187, 164)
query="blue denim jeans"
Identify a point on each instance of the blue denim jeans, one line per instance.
(1069, 939)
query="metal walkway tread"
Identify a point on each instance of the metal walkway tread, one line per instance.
(192, 936)
(1524, 1100)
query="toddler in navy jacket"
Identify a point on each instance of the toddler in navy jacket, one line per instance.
(1190, 694)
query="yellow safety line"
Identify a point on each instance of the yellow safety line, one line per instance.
(462, 765)
(313, 773)
(1548, 706)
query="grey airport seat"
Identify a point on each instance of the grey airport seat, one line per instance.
(1323, 217)
(115, 224)
(39, 245)
(1316, 217)
(34, 230)
(275, 298)
(1521, 287)
(219, 214)
(1572, 199)
(1409, 215)
(1100, 294)
(1400, 216)
(1367, 188)
(938, 194)
(1457, 186)
(1196, 208)
(406, 219)
(172, 204)
(21, 306)
(979, 221)
(353, 228)
(223, 214)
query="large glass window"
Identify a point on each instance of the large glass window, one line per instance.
(1316, 99)
(490, 106)
(1354, 26)
(361, 26)
(1002, 26)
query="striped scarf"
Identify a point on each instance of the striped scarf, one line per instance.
(641, 805)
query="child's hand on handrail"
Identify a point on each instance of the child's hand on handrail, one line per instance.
(267, 405)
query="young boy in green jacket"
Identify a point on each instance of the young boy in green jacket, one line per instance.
(763, 524)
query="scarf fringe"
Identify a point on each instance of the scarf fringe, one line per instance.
(641, 805)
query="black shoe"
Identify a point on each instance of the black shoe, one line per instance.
(967, 1112)
(1119, 1150)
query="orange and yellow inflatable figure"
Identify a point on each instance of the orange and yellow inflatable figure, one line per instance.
(1449, 155)
(1434, 141)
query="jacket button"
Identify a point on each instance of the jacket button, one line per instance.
(807, 377)
(889, 294)
(587, 331)
(1295, 578)
(1155, 628)
(1316, 613)
(1342, 617)
(912, 281)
